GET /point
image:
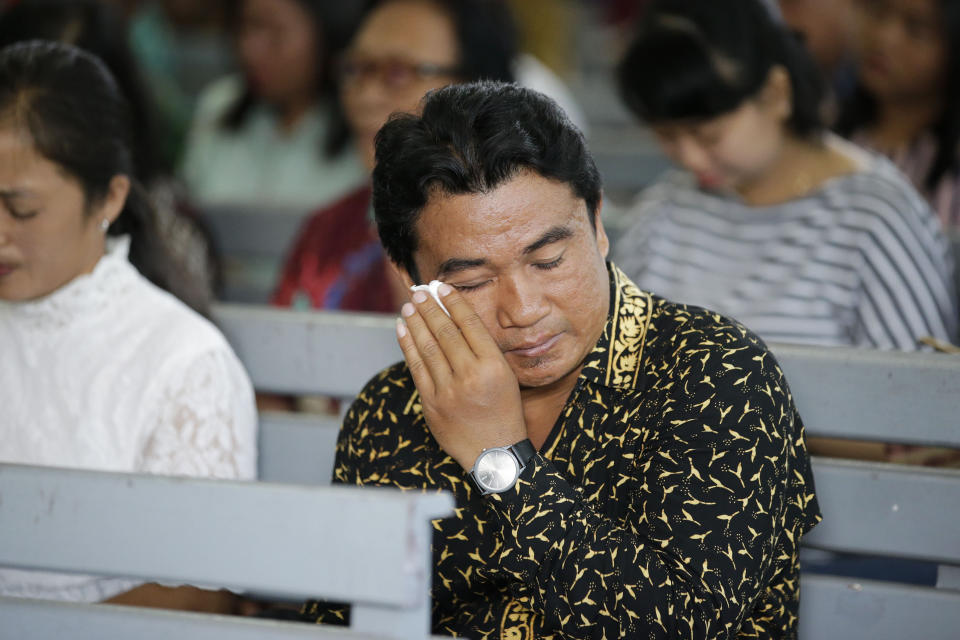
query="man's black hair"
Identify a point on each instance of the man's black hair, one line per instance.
(699, 59)
(472, 138)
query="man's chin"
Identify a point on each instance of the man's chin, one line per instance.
(533, 373)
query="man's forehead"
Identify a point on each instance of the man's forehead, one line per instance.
(522, 197)
(472, 221)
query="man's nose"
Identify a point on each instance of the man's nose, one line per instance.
(521, 302)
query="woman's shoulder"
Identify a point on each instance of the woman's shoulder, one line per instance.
(167, 329)
(876, 188)
(217, 98)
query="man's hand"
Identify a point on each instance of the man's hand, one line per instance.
(470, 396)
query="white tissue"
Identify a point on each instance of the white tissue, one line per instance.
(434, 290)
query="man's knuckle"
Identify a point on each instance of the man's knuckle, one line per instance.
(472, 321)
(447, 331)
(416, 366)
(430, 350)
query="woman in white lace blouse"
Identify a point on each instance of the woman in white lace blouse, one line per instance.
(101, 368)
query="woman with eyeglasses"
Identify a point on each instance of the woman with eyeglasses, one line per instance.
(402, 49)
(272, 135)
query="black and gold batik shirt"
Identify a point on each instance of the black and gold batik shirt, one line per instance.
(667, 502)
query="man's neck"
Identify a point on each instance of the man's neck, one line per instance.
(543, 405)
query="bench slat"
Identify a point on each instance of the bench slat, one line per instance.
(26, 619)
(885, 509)
(297, 448)
(225, 533)
(846, 393)
(832, 607)
(303, 352)
(253, 231)
(875, 395)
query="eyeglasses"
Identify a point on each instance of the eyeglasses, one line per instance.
(393, 73)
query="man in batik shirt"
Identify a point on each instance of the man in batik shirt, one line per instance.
(623, 466)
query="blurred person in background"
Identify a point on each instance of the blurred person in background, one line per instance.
(907, 100)
(272, 135)
(181, 46)
(827, 28)
(99, 28)
(102, 367)
(403, 49)
(798, 234)
(547, 39)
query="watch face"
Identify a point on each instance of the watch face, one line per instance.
(496, 470)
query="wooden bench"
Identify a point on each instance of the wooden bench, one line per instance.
(252, 243)
(870, 508)
(366, 546)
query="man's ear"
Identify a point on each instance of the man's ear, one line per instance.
(603, 242)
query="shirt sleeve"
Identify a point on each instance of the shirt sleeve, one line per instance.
(714, 498)
(907, 289)
(205, 421)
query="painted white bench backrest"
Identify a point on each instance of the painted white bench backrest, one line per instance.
(369, 547)
(870, 508)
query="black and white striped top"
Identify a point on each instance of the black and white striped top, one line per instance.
(861, 261)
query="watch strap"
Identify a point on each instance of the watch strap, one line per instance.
(524, 452)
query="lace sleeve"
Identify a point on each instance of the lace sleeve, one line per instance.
(205, 421)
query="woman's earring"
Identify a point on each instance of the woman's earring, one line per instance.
(104, 225)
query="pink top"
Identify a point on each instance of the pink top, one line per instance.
(914, 161)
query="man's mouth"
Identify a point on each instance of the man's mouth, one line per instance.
(535, 348)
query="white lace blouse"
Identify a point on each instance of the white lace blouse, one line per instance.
(110, 372)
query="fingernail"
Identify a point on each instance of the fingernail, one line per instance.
(407, 309)
(401, 327)
(444, 289)
(419, 297)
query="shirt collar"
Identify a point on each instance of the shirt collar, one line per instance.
(616, 360)
(85, 295)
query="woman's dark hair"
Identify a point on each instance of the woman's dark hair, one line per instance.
(699, 59)
(333, 24)
(99, 28)
(472, 138)
(78, 118)
(860, 109)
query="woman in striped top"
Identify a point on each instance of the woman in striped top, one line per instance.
(801, 236)
(907, 100)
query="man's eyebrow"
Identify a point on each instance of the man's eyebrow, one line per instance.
(14, 193)
(454, 265)
(555, 234)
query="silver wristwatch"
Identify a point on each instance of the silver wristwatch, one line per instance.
(497, 469)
